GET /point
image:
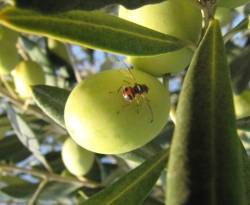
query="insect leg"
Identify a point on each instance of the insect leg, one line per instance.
(147, 101)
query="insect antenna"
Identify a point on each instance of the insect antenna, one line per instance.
(129, 68)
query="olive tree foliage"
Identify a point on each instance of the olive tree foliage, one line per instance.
(199, 157)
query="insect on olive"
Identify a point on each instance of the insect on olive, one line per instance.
(135, 93)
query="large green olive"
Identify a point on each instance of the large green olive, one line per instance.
(8, 51)
(242, 104)
(98, 117)
(26, 74)
(76, 159)
(178, 18)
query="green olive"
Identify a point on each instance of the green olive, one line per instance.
(101, 120)
(26, 74)
(242, 104)
(76, 159)
(8, 51)
(174, 17)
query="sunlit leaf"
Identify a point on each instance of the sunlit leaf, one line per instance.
(92, 29)
(26, 135)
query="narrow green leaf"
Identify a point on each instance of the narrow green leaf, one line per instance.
(92, 29)
(7, 145)
(143, 153)
(205, 165)
(240, 71)
(244, 123)
(241, 26)
(246, 172)
(35, 53)
(26, 135)
(134, 187)
(58, 190)
(52, 101)
(65, 5)
(16, 187)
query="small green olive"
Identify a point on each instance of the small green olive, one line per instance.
(98, 117)
(76, 159)
(26, 74)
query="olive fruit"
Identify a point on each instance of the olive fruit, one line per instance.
(8, 51)
(173, 17)
(100, 119)
(26, 74)
(231, 3)
(242, 104)
(76, 159)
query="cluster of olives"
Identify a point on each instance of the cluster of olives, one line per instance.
(118, 110)
(100, 116)
(106, 113)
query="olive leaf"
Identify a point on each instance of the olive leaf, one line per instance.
(65, 5)
(12, 143)
(240, 71)
(205, 156)
(246, 172)
(93, 29)
(26, 135)
(241, 26)
(52, 101)
(244, 123)
(134, 187)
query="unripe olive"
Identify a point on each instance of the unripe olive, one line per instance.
(76, 159)
(59, 49)
(8, 51)
(231, 3)
(174, 17)
(26, 74)
(98, 117)
(242, 104)
(224, 15)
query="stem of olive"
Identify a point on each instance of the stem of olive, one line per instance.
(49, 176)
(37, 193)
